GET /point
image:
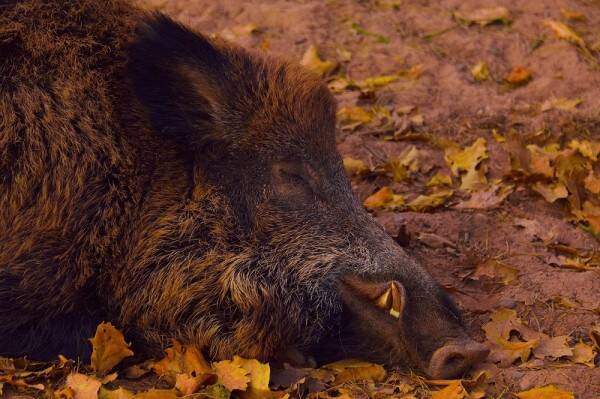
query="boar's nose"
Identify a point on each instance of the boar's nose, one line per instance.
(455, 358)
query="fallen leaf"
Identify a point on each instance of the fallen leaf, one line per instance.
(571, 170)
(356, 370)
(506, 349)
(182, 359)
(484, 16)
(583, 354)
(83, 386)
(119, 393)
(564, 32)
(157, 394)
(480, 71)
(354, 114)
(495, 269)
(108, 348)
(427, 202)
(313, 61)
(440, 179)
(518, 76)
(498, 137)
(592, 183)
(551, 192)
(474, 179)
(561, 103)
(541, 159)
(589, 149)
(595, 336)
(466, 159)
(554, 347)
(231, 375)
(188, 384)
(454, 390)
(572, 14)
(547, 392)
(487, 199)
(355, 167)
(376, 81)
(589, 214)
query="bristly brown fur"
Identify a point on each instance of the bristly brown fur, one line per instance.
(183, 188)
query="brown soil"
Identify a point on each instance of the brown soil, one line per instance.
(454, 106)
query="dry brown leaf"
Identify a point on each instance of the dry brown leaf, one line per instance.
(488, 199)
(182, 359)
(495, 269)
(590, 214)
(231, 375)
(551, 192)
(356, 370)
(571, 170)
(519, 76)
(595, 336)
(562, 31)
(108, 348)
(376, 81)
(427, 202)
(546, 392)
(554, 347)
(484, 16)
(504, 349)
(313, 61)
(583, 354)
(480, 71)
(541, 159)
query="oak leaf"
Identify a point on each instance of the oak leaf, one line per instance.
(231, 375)
(83, 386)
(108, 348)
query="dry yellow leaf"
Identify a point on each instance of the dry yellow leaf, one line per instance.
(185, 359)
(120, 393)
(356, 370)
(474, 179)
(83, 386)
(454, 390)
(354, 114)
(562, 31)
(589, 213)
(541, 159)
(440, 179)
(313, 61)
(589, 149)
(108, 348)
(518, 76)
(376, 81)
(583, 354)
(466, 159)
(484, 16)
(498, 137)
(426, 202)
(355, 167)
(487, 199)
(547, 392)
(480, 71)
(157, 394)
(231, 375)
(379, 198)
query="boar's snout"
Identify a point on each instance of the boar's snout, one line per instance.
(455, 358)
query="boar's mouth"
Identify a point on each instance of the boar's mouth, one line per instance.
(373, 328)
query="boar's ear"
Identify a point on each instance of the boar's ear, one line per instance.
(389, 296)
(179, 78)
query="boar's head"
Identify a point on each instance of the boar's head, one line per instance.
(309, 268)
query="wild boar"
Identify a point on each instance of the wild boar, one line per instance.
(181, 187)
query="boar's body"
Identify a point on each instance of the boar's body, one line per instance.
(184, 188)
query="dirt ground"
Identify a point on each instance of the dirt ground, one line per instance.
(451, 242)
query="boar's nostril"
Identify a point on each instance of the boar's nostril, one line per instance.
(454, 359)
